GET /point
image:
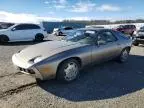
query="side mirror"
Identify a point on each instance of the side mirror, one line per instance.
(13, 29)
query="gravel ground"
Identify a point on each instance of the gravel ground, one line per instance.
(108, 85)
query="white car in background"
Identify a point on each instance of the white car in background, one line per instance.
(62, 31)
(22, 32)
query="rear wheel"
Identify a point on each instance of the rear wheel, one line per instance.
(39, 37)
(68, 70)
(124, 55)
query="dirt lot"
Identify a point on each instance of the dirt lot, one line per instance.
(108, 85)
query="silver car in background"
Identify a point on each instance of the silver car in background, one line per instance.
(62, 31)
(64, 59)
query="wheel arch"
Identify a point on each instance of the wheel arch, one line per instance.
(128, 47)
(3, 35)
(39, 34)
(78, 59)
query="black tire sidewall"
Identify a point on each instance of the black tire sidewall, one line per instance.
(135, 43)
(4, 39)
(39, 37)
(120, 59)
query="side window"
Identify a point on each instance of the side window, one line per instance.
(110, 37)
(68, 28)
(32, 26)
(106, 37)
(20, 27)
(26, 27)
(130, 26)
(101, 39)
(126, 26)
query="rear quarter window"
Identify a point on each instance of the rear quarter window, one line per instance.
(27, 27)
(121, 35)
(32, 26)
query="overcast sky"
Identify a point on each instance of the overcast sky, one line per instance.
(57, 10)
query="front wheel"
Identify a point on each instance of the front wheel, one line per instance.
(68, 70)
(124, 55)
(4, 39)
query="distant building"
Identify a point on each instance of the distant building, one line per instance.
(49, 26)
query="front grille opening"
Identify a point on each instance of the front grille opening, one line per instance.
(30, 71)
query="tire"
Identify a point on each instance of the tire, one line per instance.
(39, 37)
(60, 34)
(124, 55)
(135, 43)
(68, 71)
(4, 39)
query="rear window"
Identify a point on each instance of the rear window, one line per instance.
(121, 35)
(133, 26)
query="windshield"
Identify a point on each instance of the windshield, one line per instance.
(120, 26)
(5, 26)
(82, 36)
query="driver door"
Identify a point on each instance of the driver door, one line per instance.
(21, 32)
(106, 48)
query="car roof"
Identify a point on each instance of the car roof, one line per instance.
(94, 29)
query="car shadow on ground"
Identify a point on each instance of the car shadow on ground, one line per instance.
(104, 81)
(22, 43)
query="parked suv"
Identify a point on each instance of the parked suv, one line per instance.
(22, 32)
(62, 31)
(139, 39)
(127, 29)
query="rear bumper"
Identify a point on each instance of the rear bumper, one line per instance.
(139, 40)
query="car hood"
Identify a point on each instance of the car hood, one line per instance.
(46, 49)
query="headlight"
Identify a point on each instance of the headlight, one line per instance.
(38, 59)
(19, 51)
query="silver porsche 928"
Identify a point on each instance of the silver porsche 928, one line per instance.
(64, 59)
